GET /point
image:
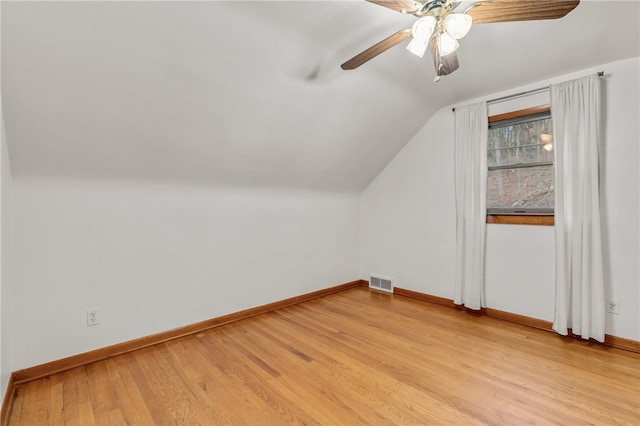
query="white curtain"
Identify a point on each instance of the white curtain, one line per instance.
(580, 304)
(470, 146)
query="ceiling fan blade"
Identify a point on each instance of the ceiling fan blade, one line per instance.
(443, 64)
(376, 49)
(402, 6)
(485, 12)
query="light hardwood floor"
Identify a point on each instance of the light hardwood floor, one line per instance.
(354, 357)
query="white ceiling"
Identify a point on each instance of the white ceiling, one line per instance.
(252, 92)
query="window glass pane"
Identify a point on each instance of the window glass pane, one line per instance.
(529, 187)
(522, 143)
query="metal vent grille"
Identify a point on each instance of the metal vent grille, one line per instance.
(375, 282)
(379, 282)
(386, 285)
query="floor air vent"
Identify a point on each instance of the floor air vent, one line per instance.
(378, 282)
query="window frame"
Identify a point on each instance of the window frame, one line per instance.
(539, 219)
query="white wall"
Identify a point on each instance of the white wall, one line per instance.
(5, 259)
(156, 257)
(408, 215)
(5, 262)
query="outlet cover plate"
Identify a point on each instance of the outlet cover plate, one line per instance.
(93, 317)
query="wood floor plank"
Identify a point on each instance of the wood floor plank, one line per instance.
(221, 376)
(130, 401)
(42, 404)
(173, 402)
(203, 383)
(354, 357)
(255, 374)
(56, 400)
(20, 409)
(101, 392)
(80, 409)
(384, 386)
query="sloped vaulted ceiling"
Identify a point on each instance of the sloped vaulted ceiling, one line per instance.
(251, 92)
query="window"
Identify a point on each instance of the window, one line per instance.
(520, 176)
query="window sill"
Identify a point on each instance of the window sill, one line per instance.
(510, 219)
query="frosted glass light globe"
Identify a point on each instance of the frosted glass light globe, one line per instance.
(418, 47)
(447, 44)
(458, 24)
(423, 28)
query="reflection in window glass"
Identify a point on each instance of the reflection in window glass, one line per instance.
(520, 161)
(521, 188)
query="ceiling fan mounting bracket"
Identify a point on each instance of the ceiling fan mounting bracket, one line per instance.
(435, 7)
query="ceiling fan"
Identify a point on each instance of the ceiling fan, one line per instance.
(439, 27)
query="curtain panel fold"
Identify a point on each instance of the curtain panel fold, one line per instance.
(580, 302)
(470, 152)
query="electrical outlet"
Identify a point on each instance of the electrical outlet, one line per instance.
(92, 317)
(613, 306)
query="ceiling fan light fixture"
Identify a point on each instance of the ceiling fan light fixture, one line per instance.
(439, 28)
(458, 24)
(447, 44)
(423, 28)
(418, 47)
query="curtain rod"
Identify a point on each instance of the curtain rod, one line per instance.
(528, 92)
